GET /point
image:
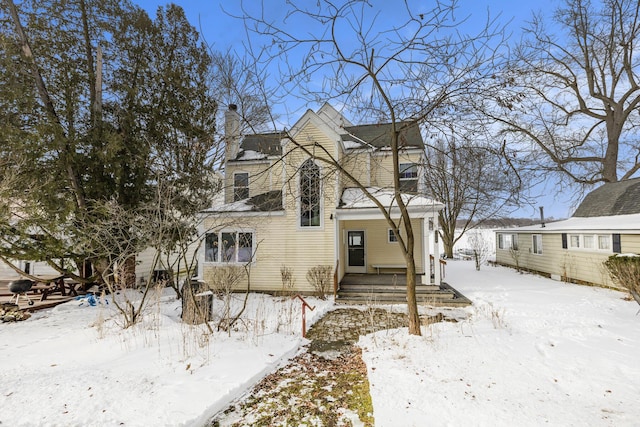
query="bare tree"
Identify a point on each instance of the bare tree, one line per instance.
(475, 183)
(390, 72)
(573, 92)
(480, 246)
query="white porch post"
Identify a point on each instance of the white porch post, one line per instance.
(426, 248)
(436, 251)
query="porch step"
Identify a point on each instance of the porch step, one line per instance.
(361, 293)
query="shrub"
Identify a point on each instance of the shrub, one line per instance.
(320, 277)
(625, 271)
(288, 281)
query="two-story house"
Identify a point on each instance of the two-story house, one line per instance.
(284, 207)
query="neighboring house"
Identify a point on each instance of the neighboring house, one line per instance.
(284, 208)
(606, 222)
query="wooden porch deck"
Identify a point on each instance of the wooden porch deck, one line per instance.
(391, 289)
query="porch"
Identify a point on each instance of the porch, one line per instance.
(362, 288)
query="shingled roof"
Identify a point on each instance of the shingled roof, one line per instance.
(379, 135)
(264, 143)
(613, 198)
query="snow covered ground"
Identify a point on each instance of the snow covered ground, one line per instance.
(531, 351)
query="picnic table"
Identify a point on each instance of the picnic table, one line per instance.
(60, 286)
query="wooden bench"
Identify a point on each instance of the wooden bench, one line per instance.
(379, 267)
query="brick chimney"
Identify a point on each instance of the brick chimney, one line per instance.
(231, 132)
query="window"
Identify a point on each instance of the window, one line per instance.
(391, 238)
(587, 242)
(536, 243)
(591, 242)
(309, 194)
(240, 186)
(408, 177)
(211, 247)
(604, 242)
(229, 246)
(508, 241)
(574, 240)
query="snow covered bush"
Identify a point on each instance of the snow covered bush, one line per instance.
(625, 270)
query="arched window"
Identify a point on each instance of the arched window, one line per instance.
(309, 194)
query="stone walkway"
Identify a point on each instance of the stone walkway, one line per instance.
(327, 384)
(343, 327)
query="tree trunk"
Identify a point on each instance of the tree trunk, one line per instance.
(412, 303)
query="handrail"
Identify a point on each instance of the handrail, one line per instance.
(336, 285)
(442, 263)
(305, 304)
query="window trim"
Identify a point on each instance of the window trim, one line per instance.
(407, 166)
(409, 177)
(391, 237)
(320, 201)
(236, 188)
(595, 239)
(536, 248)
(512, 241)
(236, 251)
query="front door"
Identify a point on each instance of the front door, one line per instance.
(356, 252)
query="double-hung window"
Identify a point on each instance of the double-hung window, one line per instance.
(240, 186)
(536, 243)
(408, 177)
(229, 247)
(508, 241)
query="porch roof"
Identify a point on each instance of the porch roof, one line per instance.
(355, 204)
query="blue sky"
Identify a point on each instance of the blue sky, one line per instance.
(222, 31)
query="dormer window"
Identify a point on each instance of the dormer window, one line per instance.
(240, 186)
(309, 194)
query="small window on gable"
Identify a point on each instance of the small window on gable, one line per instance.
(408, 177)
(392, 237)
(240, 186)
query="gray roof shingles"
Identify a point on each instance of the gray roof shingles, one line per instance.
(379, 135)
(613, 198)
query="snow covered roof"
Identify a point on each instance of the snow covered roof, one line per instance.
(260, 146)
(613, 223)
(355, 198)
(267, 202)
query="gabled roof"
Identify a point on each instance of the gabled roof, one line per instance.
(379, 135)
(613, 198)
(260, 146)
